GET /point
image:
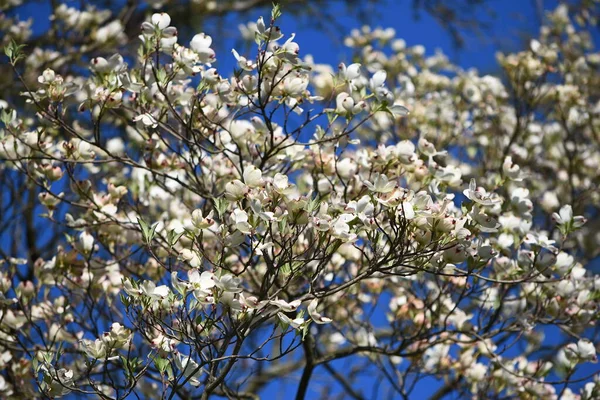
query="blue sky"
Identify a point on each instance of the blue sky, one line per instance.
(512, 19)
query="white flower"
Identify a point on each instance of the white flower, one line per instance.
(427, 148)
(511, 170)
(486, 223)
(377, 80)
(160, 23)
(147, 120)
(202, 285)
(294, 86)
(252, 302)
(520, 198)
(229, 283)
(243, 62)
(346, 168)
(211, 76)
(322, 224)
(471, 92)
(86, 242)
(344, 103)
(203, 282)
(272, 34)
(449, 174)
(116, 145)
(262, 247)
(479, 195)
(396, 197)
(295, 323)
(190, 369)
(253, 176)
(163, 343)
(434, 355)
(281, 184)
(112, 30)
(539, 239)
(549, 201)
(564, 262)
(584, 350)
(324, 186)
(349, 73)
(377, 85)
(94, 349)
(149, 289)
(256, 207)
(312, 311)
(200, 43)
(201, 222)
(381, 184)
(247, 31)
(565, 217)
(85, 150)
(235, 190)
(505, 240)
(341, 229)
(362, 337)
(191, 257)
(161, 20)
(477, 372)
(285, 306)
(118, 336)
(240, 221)
(456, 254)
(290, 49)
(406, 210)
(405, 150)
(6, 388)
(47, 77)
(363, 208)
(187, 59)
(114, 63)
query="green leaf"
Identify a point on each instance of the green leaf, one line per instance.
(276, 12)
(13, 51)
(125, 300)
(285, 269)
(148, 232)
(161, 364)
(282, 225)
(161, 74)
(8, 116)
(35, 364)
(173, 237)
(221, 205)
(312, 205)
(305, 330)
(202, 86)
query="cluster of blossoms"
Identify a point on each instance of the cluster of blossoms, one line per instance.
(205, 226)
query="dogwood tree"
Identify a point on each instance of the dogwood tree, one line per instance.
(184, 231)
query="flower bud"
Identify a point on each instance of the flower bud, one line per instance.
(5, 284)
(25, 290)
(86, 242)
